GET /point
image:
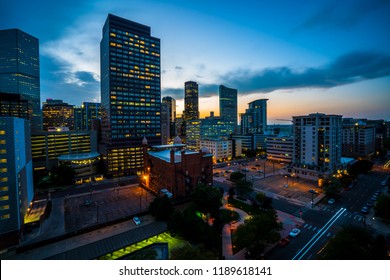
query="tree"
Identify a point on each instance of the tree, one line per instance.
(264, 201)
(62, 175)
(332, 187)
(257, 232)
(161, 208)
(382, 206)
(355, 243)
(243, 188)
(236, 176)
(361, 166)
(207, 199)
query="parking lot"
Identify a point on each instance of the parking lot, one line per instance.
(103, 206)
(272, 178)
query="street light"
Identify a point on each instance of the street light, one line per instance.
(286, 176)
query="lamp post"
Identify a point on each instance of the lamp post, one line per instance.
(286, 176)
(312, 204)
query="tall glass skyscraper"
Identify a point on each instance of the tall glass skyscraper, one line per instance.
(228, 104)
(130, 94)
(191, 101)
(254, 120)
(172, 114)
(19, 70)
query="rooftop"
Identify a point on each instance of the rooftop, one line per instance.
(80, 156)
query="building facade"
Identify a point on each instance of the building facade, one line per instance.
(130, 94)
(86, 114)
(191, 101)
(317, 141)
(19, 70)
(280, 148)
(47, 146)
(228, 104)
(254, 120)
(176, 169)
(56, 113)
(222, 150)
(172, 115)
(165, 124)
(358, 139)
(16, 178)
(13, 105)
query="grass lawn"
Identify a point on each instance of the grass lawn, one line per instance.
(228, 216)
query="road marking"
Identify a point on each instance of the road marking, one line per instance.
(305, 225)
(310, 227)
(318, 235)
(328, 234)
(314, 228)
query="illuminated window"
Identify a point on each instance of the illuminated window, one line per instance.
(2, 142)
(2, 132)
(4, 217)
(4, 189)
(3, 160)
(4, 207)
(3, 170)
(4, 179)
(4, 198)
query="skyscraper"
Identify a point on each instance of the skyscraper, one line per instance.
(172, 114)
(254, 120)
(16, 178)
(165, 124)
(228, 104)
(130, 94)
(191, 101)
(19, 70)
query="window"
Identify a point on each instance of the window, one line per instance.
(4, 198)
(4, 217)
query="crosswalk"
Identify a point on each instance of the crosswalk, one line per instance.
(353, 216)
(314, 229)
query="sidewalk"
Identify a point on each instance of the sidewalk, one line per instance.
(289, 222)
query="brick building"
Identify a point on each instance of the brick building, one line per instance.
(176, 169)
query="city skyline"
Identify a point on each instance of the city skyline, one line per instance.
(326, 57)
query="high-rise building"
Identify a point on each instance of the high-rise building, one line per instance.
(85, 115)
(191, 101)
(16, 178)
(130, 94)
(358, 139)
(228, 104)
(172, 114)
(317, 142)
(254, 120)
(13, 105)
(165, 124)
(19, 70)
(56, 113)
(280, 148)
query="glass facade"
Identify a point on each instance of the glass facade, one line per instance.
(228, 104)
(191, 101)
(130, 93)
(56, 113)
(254, 120)
(19, 70)
(172, 114)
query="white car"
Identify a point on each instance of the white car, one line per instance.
(294, 232)
(331, 201)
(136, 221)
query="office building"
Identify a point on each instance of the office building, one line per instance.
(19, 70)
(165, 123)
(228, 104)
(254, 120)
(191, 101)
(176, 169)
(13, 105)
(16, 178)
(222, 150)
(172, 114)
(216, 128)
(280, 148)
(56, 113)
(47, 146)
(130, 94)
(358, 139)
(86, 114)
(317, 142)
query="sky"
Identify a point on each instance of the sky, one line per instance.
(304, 56)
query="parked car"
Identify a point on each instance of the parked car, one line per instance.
(369, 204)
(136, 221)
(294, 232)
(331, 201)
(283, 242)
(364, 210)
(313, 191)
(87, 202)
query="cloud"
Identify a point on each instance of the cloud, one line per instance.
(179, 68)
(347, 69)
(342, 14)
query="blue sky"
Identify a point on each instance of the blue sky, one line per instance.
(304, 56)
